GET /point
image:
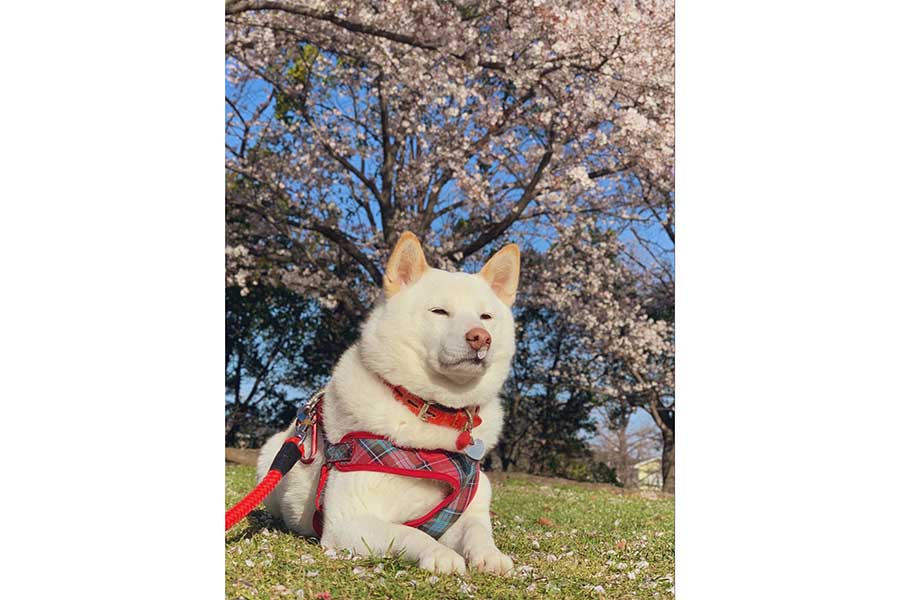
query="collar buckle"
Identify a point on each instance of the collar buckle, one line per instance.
(470, 417)
(423, 411)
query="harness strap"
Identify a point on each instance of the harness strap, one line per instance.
(435, 521)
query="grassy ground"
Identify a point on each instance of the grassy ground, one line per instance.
(567, 541)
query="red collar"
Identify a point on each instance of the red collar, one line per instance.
(461, 419)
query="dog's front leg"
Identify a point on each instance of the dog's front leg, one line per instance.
(366, 533)
(472, 536)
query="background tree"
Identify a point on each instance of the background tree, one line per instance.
(546, 414)
(457, 121)
(621, 448)
(629, 355)
(279, 346)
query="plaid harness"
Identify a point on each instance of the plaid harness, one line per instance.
(361, 451)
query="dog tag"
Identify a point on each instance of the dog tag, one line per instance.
(475, 450)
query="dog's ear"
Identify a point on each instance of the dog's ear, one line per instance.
(502, 273)
(406, 264)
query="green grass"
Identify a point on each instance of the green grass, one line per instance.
(601, 542)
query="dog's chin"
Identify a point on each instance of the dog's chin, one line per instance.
(460, 370)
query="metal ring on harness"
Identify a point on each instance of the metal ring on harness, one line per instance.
(308, 419)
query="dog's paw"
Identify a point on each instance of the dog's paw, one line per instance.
(443, 560)
(490, 560)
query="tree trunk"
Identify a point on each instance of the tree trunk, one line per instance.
(504, 453)
(664, 416)
(487, 463)
(233, 426)
(668, 461)
(623, 459)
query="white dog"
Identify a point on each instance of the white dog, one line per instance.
(447, 338)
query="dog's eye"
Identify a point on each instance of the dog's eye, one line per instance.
(486, 317)
(440, 311)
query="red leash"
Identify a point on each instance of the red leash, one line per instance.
(291, 451)
(251, 500)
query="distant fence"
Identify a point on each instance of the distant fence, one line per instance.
(242, 456)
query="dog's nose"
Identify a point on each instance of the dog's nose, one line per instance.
(478, 338)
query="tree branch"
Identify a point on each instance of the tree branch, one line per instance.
(265, 370)
(387, 164)
(242, 6)
(496, 229)
(347, 246)
(607, 171)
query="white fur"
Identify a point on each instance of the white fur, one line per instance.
(409, 345)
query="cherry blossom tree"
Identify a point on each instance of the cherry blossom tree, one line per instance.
(624, 355)
(470, 123)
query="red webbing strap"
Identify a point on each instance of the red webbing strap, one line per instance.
(317, 516)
